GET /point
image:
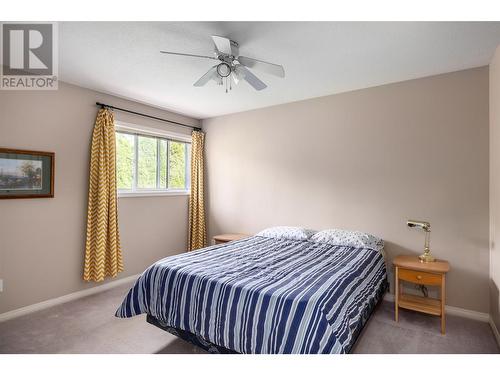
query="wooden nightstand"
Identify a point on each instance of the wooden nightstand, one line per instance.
(409, 268)
(223, 238)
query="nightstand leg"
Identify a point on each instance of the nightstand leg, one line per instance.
(443, 301)
(396, 293)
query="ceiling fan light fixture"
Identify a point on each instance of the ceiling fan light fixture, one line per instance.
(223, 69)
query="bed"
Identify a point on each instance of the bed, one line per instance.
(263, 295)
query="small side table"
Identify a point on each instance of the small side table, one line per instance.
(410, 269)
(223, 238)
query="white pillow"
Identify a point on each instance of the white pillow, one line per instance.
(287, 233)
(343, 237)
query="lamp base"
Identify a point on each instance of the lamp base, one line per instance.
(426, 257)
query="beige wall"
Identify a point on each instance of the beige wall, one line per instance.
(494, 187)
(367, 160)
(42, 240)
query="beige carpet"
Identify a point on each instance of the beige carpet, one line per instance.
(88, 325)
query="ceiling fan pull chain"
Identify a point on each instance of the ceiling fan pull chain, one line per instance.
(226, 85)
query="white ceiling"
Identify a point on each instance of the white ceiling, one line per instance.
(320, 58)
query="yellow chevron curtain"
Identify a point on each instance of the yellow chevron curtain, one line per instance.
(197, 228)
(103, 255)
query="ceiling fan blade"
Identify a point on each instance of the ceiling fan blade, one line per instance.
(212, 72)
(248, 76)
(222, 44)
(188, 54)
(263, 66)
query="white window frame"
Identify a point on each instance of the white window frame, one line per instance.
(157, 133)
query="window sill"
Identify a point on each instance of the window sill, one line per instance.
(151, 194)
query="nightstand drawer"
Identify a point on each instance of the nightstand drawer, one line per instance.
(419, 277)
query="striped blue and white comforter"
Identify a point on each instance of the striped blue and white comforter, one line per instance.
(264, 295)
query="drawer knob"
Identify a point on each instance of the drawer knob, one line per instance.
(419, 277)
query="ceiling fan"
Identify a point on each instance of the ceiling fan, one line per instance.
(233, 67)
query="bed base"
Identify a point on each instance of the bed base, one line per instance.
(190, 337)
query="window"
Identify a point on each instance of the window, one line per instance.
(150, 164)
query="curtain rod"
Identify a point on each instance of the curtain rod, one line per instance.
(145, 115)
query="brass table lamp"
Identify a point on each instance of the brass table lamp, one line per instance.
(426, 227)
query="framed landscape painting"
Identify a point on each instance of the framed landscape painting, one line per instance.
(26, 174)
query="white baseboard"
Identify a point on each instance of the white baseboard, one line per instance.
(66, 298)
(469, 314)
(495, 331)
(456, 311)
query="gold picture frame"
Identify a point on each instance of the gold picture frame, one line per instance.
(26, 174)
